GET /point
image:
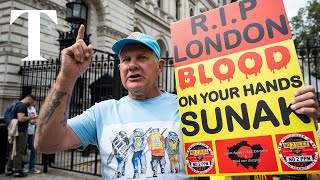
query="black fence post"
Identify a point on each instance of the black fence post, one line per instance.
(117, 91)
(308, 59)
(96, 160)
(45, 162)
(72, 159)
(3, 149)
(315, 56)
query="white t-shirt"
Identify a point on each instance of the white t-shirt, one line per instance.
(31, 127)
(102, 124)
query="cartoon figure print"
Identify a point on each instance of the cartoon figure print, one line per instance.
(138, 144)
(120, 146)
(172, 143)
(156, 145)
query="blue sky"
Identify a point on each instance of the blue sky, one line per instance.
(292, 7)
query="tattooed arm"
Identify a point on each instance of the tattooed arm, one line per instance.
(52, 133)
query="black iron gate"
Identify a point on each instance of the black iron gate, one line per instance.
(309, 60)
(100, 82)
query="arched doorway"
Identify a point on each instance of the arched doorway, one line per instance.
(163, 48)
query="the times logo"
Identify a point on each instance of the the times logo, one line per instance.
(33, 30)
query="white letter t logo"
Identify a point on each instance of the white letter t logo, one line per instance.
(33, 30)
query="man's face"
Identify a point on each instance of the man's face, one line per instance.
(30, 102)
(139, 68)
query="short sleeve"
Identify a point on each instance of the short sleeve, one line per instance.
(84, 126)
(21, 108)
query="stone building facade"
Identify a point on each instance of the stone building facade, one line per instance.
(107, 21)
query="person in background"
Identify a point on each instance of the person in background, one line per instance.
(21, 113)
(31, 130)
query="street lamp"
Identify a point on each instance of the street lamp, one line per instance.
(76, 15)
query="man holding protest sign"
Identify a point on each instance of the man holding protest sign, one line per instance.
(145, 107)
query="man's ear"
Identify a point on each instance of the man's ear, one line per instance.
(161, 65)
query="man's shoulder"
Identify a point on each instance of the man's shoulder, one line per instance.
(170, 94)
(106, 104)
(20, 108)
(21, 105)
(170, 97)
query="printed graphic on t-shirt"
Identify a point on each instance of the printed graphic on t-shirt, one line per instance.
(138, 150)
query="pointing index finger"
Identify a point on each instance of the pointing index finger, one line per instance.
(81, 32)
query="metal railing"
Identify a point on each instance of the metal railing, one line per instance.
(309, 59)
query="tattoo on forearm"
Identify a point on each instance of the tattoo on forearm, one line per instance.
(50, 105)
(66, 113)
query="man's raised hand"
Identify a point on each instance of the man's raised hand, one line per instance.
(76, 58)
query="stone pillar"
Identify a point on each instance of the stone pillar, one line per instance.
(143, 3)
(171, 19)
(157, 11)
(150, 5)
(171, 9)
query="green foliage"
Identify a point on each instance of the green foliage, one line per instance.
(306, 25)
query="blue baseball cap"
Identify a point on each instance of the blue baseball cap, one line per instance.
(137, 37)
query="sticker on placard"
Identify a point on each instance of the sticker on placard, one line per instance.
(298, 152)
(199, 157)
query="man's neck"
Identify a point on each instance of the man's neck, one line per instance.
(144, 96)
(24, 101)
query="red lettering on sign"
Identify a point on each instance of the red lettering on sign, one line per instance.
(277, 57)
(229, 74)
(186, 77)
(271, 60)
(250, 56)
(202, 75)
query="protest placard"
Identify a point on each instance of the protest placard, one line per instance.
(236, 70)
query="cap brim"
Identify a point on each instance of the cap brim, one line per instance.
(120, 44)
